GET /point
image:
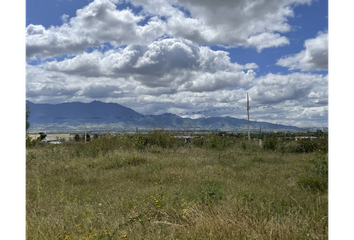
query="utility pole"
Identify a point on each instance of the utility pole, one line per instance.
(85, 132)
(248, 117)
(222, 125)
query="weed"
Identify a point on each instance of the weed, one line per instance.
(135, 160)
(313, 181)
(210, 191)
(239, 166)
(216, 189)
(258, 159)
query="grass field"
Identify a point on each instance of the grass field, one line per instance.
(157, 187)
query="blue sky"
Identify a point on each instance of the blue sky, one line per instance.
(182, 56)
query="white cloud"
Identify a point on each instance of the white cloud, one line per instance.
(167, 63)
(267, 40)
(294, 99)
(237, 23)
(314, 57)
(65, 18)
(98, 22)
(299, 87)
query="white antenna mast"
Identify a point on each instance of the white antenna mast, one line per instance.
(222, 126)
(248, 117)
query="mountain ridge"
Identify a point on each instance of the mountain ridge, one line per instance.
(96, 114)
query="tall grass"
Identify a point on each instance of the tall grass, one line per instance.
(156, 187)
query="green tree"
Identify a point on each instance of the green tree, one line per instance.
(42, 136)
(77, 137)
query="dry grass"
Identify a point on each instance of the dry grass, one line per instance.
(171, 193)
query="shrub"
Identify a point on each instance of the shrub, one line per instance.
(212, 141)
(161, 138)
(307, 145)
(140, 143)
(322, 143)
(42, 136)
(322, 168)
(270, 143)
(217, 142)
(198, 142)
(30, 143)
(88, 137)
(77, 137)
(244, 145)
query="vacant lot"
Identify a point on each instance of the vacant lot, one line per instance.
(156, 187)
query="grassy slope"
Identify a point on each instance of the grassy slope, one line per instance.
(177, 193)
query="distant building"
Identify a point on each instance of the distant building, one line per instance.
(187, 139)
(51, 140)
(304, 137)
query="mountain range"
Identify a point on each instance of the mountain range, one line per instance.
(99, 116)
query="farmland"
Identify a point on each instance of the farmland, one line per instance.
(154, 186)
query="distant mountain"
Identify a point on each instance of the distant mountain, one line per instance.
(78, 113)
(97, 115)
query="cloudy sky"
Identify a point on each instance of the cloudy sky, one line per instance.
(183, 56)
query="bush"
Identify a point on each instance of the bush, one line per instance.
(212, 141)
(307, 145)
(30, 143)
(270, 143)
(42, 136)
(161, 139)
(217, 142)
(198, 142)
(244, 145)
(140, 143)
(77, 137)
(322, 168)
(88, 137)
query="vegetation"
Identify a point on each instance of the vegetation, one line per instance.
(154, 186)
(42, 135)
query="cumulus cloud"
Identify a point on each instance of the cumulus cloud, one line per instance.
(277, 88)
(96, 23)
(237, 23)
(167, 63)
(65, 18)
(220, 80)
(267, 40)
(314, 57)
(97, 91)
(290, 99)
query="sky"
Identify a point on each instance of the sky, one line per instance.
(187, 57)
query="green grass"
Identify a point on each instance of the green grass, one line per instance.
(111, 189)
